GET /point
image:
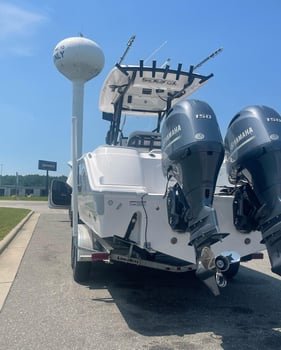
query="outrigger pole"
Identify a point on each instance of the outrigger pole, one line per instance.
(212, 55)
(129, 44)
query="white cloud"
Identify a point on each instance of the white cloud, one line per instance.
(17, 25)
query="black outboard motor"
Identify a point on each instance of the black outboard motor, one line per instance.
(192, 155)
(253, 148)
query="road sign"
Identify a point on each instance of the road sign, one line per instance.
(47, 165)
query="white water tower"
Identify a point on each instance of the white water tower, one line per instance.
(79, 59)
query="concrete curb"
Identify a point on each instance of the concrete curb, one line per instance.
(12, 234)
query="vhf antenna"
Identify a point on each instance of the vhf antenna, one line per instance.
(129, 44)
(212, 55)
(155, 51)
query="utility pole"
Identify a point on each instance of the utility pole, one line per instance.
(17, 185)
(1, 172)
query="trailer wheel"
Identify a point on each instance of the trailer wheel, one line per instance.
(232, 271)
(81, 269)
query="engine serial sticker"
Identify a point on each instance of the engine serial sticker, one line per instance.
(273, 119)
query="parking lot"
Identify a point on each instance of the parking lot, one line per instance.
(127, 307)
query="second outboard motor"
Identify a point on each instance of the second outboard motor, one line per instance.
(193, 152)
(253, 148)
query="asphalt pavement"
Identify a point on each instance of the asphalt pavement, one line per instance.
(126, 307)
(13, 246)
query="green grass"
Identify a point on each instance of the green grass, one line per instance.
(9, 218)
(13, 198)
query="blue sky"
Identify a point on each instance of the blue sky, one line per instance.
(36, 100)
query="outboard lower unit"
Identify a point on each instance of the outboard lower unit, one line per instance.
(253, 148)
(193, 152)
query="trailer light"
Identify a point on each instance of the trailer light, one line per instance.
(100, 256)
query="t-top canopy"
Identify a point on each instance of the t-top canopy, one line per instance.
(142, 90)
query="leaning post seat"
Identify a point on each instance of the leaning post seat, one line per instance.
(145, 139)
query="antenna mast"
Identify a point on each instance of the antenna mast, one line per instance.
(129, 44)
(155, 51)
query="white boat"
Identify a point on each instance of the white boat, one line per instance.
(161, 197)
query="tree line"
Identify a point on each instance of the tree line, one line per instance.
(28, 180)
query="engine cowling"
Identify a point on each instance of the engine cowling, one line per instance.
(193, 152)
(253, 149)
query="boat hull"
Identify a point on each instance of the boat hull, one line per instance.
(130, 203)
